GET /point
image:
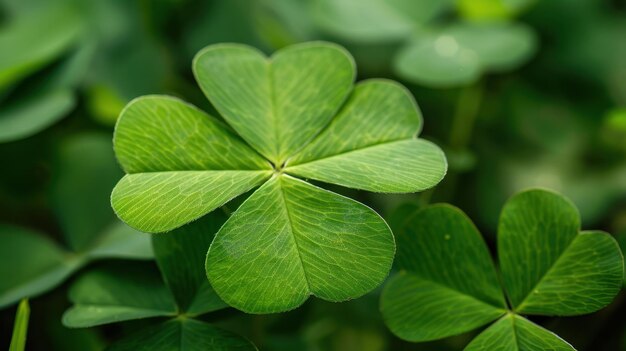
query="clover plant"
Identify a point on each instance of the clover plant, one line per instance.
(181, 293)
(291, 117)
(448, 283)
(32, 262)
(437, 48)
(25, 112)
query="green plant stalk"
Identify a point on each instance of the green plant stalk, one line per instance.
(20, 328)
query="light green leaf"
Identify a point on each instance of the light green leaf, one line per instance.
(448, 284)
(375, 20)
(121, 241)
(182, 335)
(20, 327)
(565, 272)
(461, 53)
(378, 111)
(31, 264)
(304, 240)
(33, 114)
(160, 133)
(181, 255)
(500, 46)
(515, 333)
(375, 129)
(118, 293)
(161, 201)
(437, 60)
(26, 50)
(423, 166)
(84, 174)
(492, 10)
(278, 104)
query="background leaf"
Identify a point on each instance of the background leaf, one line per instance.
(29, 49)
(86, 171)
(567, 272)
(32, 264)
(448, 284)
(182, 335)
(118, 293)
(121, 241)
(515, 333)
(181, 255)
(376, 20)
(31, 115)
(438, 61)
(531, 220)
(585, 278)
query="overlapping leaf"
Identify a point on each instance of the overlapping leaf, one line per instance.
(461, 53)
(448, 284)
(515, 333)
(434, 51)
(120, 293)
(298, 110)
(33, 263)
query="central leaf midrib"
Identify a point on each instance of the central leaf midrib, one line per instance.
(295, 240)
(349, 151)
(515, 336)
(274, 114)
(204, 170)
(499, 308)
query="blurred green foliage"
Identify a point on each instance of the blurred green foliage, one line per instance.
(553, 116)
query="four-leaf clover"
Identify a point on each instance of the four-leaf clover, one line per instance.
(293, 116)
(449, 285)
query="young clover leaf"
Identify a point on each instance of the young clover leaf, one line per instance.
(449, 285)
(32, 263)
(181, 293)
(297, 115)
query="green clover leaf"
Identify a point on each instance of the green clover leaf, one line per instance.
(449, 285)
(434, 51)
(461, 53)
(295, 114)
(180, 292)
(34, 264)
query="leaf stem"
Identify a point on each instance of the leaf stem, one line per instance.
(470, 99)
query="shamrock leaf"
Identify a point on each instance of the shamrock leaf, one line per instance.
(32, 110)
(434, 50)
(34, 264)
(448, 284)
(461, 53)
(296, 114)
(376, 20)
(180, 292)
